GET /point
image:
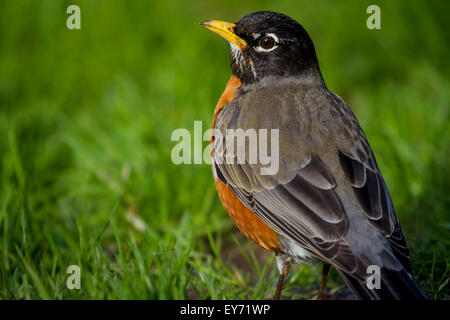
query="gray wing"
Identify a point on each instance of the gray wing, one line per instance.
(300, 201)
(376, 203)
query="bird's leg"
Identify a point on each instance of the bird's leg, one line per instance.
(284, 264)
(280, 284)
(323, 281)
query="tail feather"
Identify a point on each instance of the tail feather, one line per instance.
(395, 285)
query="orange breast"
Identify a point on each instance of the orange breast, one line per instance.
(246, 220)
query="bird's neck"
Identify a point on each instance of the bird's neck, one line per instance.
(310, 76)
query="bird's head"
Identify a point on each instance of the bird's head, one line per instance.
(268, 44)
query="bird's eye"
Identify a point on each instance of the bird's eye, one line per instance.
(267, 42)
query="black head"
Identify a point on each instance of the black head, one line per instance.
(268, 44)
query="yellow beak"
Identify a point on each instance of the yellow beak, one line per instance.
(225, 30)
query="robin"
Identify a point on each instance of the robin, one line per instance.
(328, 201)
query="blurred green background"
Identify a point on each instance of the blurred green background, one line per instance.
(86, 117)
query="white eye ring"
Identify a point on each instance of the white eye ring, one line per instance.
(272, 35)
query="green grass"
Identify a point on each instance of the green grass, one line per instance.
(86, 117)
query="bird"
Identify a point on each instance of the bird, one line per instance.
(327, 202)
